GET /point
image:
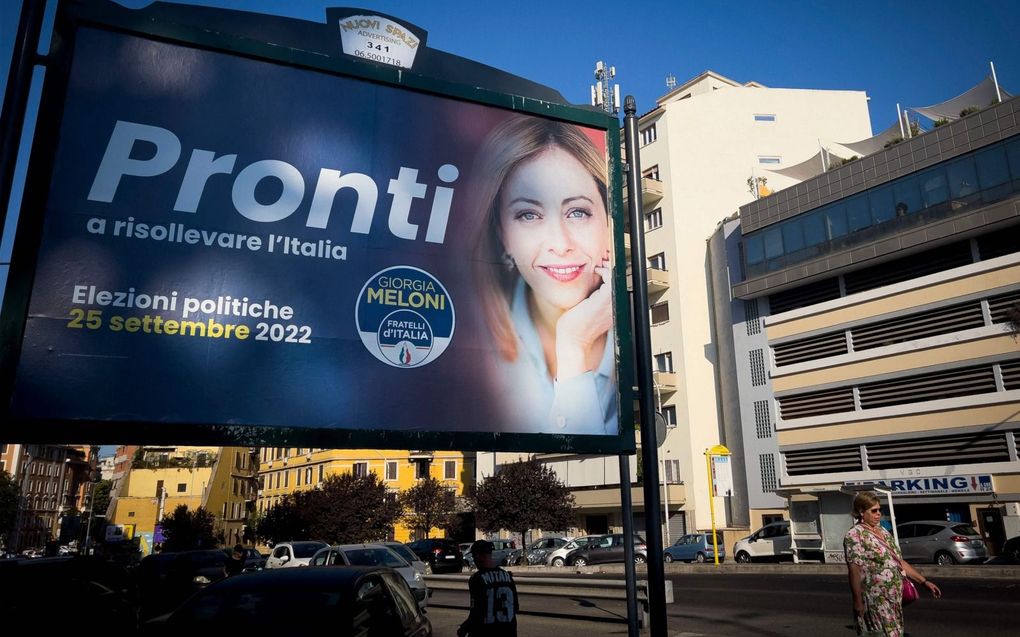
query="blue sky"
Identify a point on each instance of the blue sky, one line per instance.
(911, 52)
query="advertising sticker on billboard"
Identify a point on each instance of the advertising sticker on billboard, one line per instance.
(232, 241)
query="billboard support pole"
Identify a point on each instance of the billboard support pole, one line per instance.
(643, 345)
(19, 82)
(628, 547)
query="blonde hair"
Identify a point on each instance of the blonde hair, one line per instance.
(509, 145)
(864, 501)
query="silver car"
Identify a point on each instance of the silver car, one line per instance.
(558, 557)
(373, 555)
(941, 542)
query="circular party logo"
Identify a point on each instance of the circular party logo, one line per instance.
(404, 316)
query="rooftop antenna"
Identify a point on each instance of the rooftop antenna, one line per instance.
(605, 93)
(671, 81)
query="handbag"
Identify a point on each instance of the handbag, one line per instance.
(910, 593)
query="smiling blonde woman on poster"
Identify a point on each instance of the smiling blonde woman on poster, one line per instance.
(544, 243)
(876, 569)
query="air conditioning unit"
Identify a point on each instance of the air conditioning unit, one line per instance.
(1011, 509)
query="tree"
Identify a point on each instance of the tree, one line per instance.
(343, 509)
(522, 496)
(428, 505)
(8, 503)
(185, 530)
(101, 501)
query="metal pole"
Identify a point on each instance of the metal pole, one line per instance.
(19, 82)
(995, 80)
(665, 503)
(646, 382)
(899, 118)
(628, 547)
(711, 506)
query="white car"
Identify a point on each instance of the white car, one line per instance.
(770, 542)
(374, 555)
(292, 554)
(410, 556)
(559, 556)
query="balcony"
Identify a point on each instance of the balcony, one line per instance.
(658, 280)
(665, 382)
(651, 191)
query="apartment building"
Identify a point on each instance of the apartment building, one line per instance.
(699, 147)
(286, 470)
(864, 314)
(232, 494)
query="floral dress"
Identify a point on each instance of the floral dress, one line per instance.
(881, 579)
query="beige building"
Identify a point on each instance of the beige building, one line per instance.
(868, 338)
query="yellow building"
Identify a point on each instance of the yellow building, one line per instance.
(286, 470)
(231, 494)
(160, 480)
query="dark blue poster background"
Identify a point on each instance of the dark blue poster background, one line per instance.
(90, 366)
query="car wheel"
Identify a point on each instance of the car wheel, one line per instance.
(1012, 554)
(699, 558)
(640, 559)
(580, 561)
(943, 558)
(743, 557)
(668, 558)
(557, 561)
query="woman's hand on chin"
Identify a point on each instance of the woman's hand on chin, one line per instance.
(582, 326)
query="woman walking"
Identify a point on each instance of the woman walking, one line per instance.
(876, 570)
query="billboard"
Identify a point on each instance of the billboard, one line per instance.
(231, 248)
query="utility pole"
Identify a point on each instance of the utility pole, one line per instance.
(605, 93)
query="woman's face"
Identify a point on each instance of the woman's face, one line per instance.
(554, 224)
(872, 515)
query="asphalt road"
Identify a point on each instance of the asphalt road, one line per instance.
(767, 605)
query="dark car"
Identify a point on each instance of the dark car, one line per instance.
(440, 555)
(347, 600)
(607, 548)
(164, 580)
(253, 560)
(1011, 550)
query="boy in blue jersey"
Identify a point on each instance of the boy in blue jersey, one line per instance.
(494, 603)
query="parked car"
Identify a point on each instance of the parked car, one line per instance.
(558, 557)
(253, 560)
(164, 580)
(540, 549)
(293, 554)
(695, 547)
(439, 554)
(770, 542)
(941, 542)
(503, 552)
(403, 551)
(607, 548)
(1011, 550)
(373, 555)
(349, 601)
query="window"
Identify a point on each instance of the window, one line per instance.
(657, 261)
(297, 478)
(391, 470)
(659, 313)
(308, 475)
(277, 479)
(131, 514)
(648, 134)
(669, 415)
(182, 487)
(286, 479)
(159, 488)
(322, 472)
(764, 117)
(671, 471)
(653, 219)
(769, 160)
(882, 207)
(664, 362)
(360, 469)
(450, 470)
(651, 173)
(754, 249)
(814, 229)
(421, 469)
(857, 214)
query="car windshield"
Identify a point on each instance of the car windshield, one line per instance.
(374, 557)
(306, 549)
(403, 552)
(964, 529)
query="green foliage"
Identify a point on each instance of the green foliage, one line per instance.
(428, 505)
(344, 509)
(101, 501)
(8, 503)
(522, 496)
(942, 121)
(969, 110)
(187, 530)
(892, 142)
